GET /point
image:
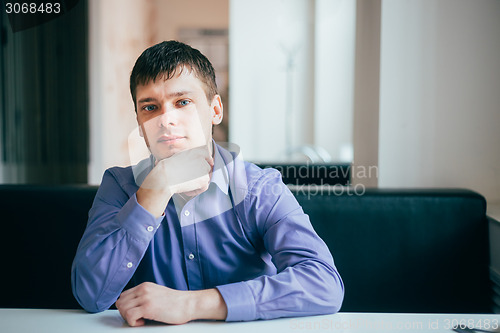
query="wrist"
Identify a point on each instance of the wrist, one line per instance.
(208, 304)
(153, 200)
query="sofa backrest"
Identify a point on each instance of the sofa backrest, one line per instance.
(396, 250)
(40, 231)
(406, 250)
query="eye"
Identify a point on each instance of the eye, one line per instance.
(183, 102)
(149, 108)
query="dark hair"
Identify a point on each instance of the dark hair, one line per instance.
(163, 60)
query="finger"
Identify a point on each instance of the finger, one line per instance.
(134, 316)
(126, 298)
(127, 303)
(202, 151)
(125, 306)
(194, 187)
(210, 161)
(130, 291)
(209, 165)
(196, 168)
(139, 322)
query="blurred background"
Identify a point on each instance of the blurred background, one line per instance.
(406, 92)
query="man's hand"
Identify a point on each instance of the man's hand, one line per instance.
(184, 172)
(159, 303)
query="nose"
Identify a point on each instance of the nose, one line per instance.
(167, 118)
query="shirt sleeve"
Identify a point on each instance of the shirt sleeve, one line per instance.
(118, 234)
(307, 281)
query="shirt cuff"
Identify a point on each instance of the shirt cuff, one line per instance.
(140, 223)
(239, 301)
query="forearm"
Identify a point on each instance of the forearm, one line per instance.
(309, 288)
(110, 250)
(305, 289)
(98, 278)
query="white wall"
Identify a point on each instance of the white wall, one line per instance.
(262, 32)
(318, 111)
(335, 28)
(114, 44)
(440, 95)
(366, 94)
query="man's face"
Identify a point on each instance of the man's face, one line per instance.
(174, 115)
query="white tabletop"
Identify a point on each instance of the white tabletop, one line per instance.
(69, 321)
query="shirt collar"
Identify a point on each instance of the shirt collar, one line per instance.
(219, 174)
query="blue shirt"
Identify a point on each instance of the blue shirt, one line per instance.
(246, 235)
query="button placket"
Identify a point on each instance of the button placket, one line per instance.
(193, 271)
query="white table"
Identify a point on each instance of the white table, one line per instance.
(69, 321)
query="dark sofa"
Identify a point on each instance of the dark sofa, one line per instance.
(397, 250)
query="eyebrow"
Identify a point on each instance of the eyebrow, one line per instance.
(179, 93)
(146, 100)
(171, 95)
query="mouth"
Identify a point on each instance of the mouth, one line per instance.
(170, 139)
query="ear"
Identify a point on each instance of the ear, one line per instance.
(217, 110)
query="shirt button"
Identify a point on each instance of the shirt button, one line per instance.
(186, 212)
(191, 256)
(150, 228)
(129, 265)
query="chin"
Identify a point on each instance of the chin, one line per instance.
(163, 154)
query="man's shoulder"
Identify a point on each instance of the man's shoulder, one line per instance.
(256, 173)
(122, 176)
(246, 179)
(264, 180)
(122, 173)
(257, 178)
(133, 174)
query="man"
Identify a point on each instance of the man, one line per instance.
(199, 233)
